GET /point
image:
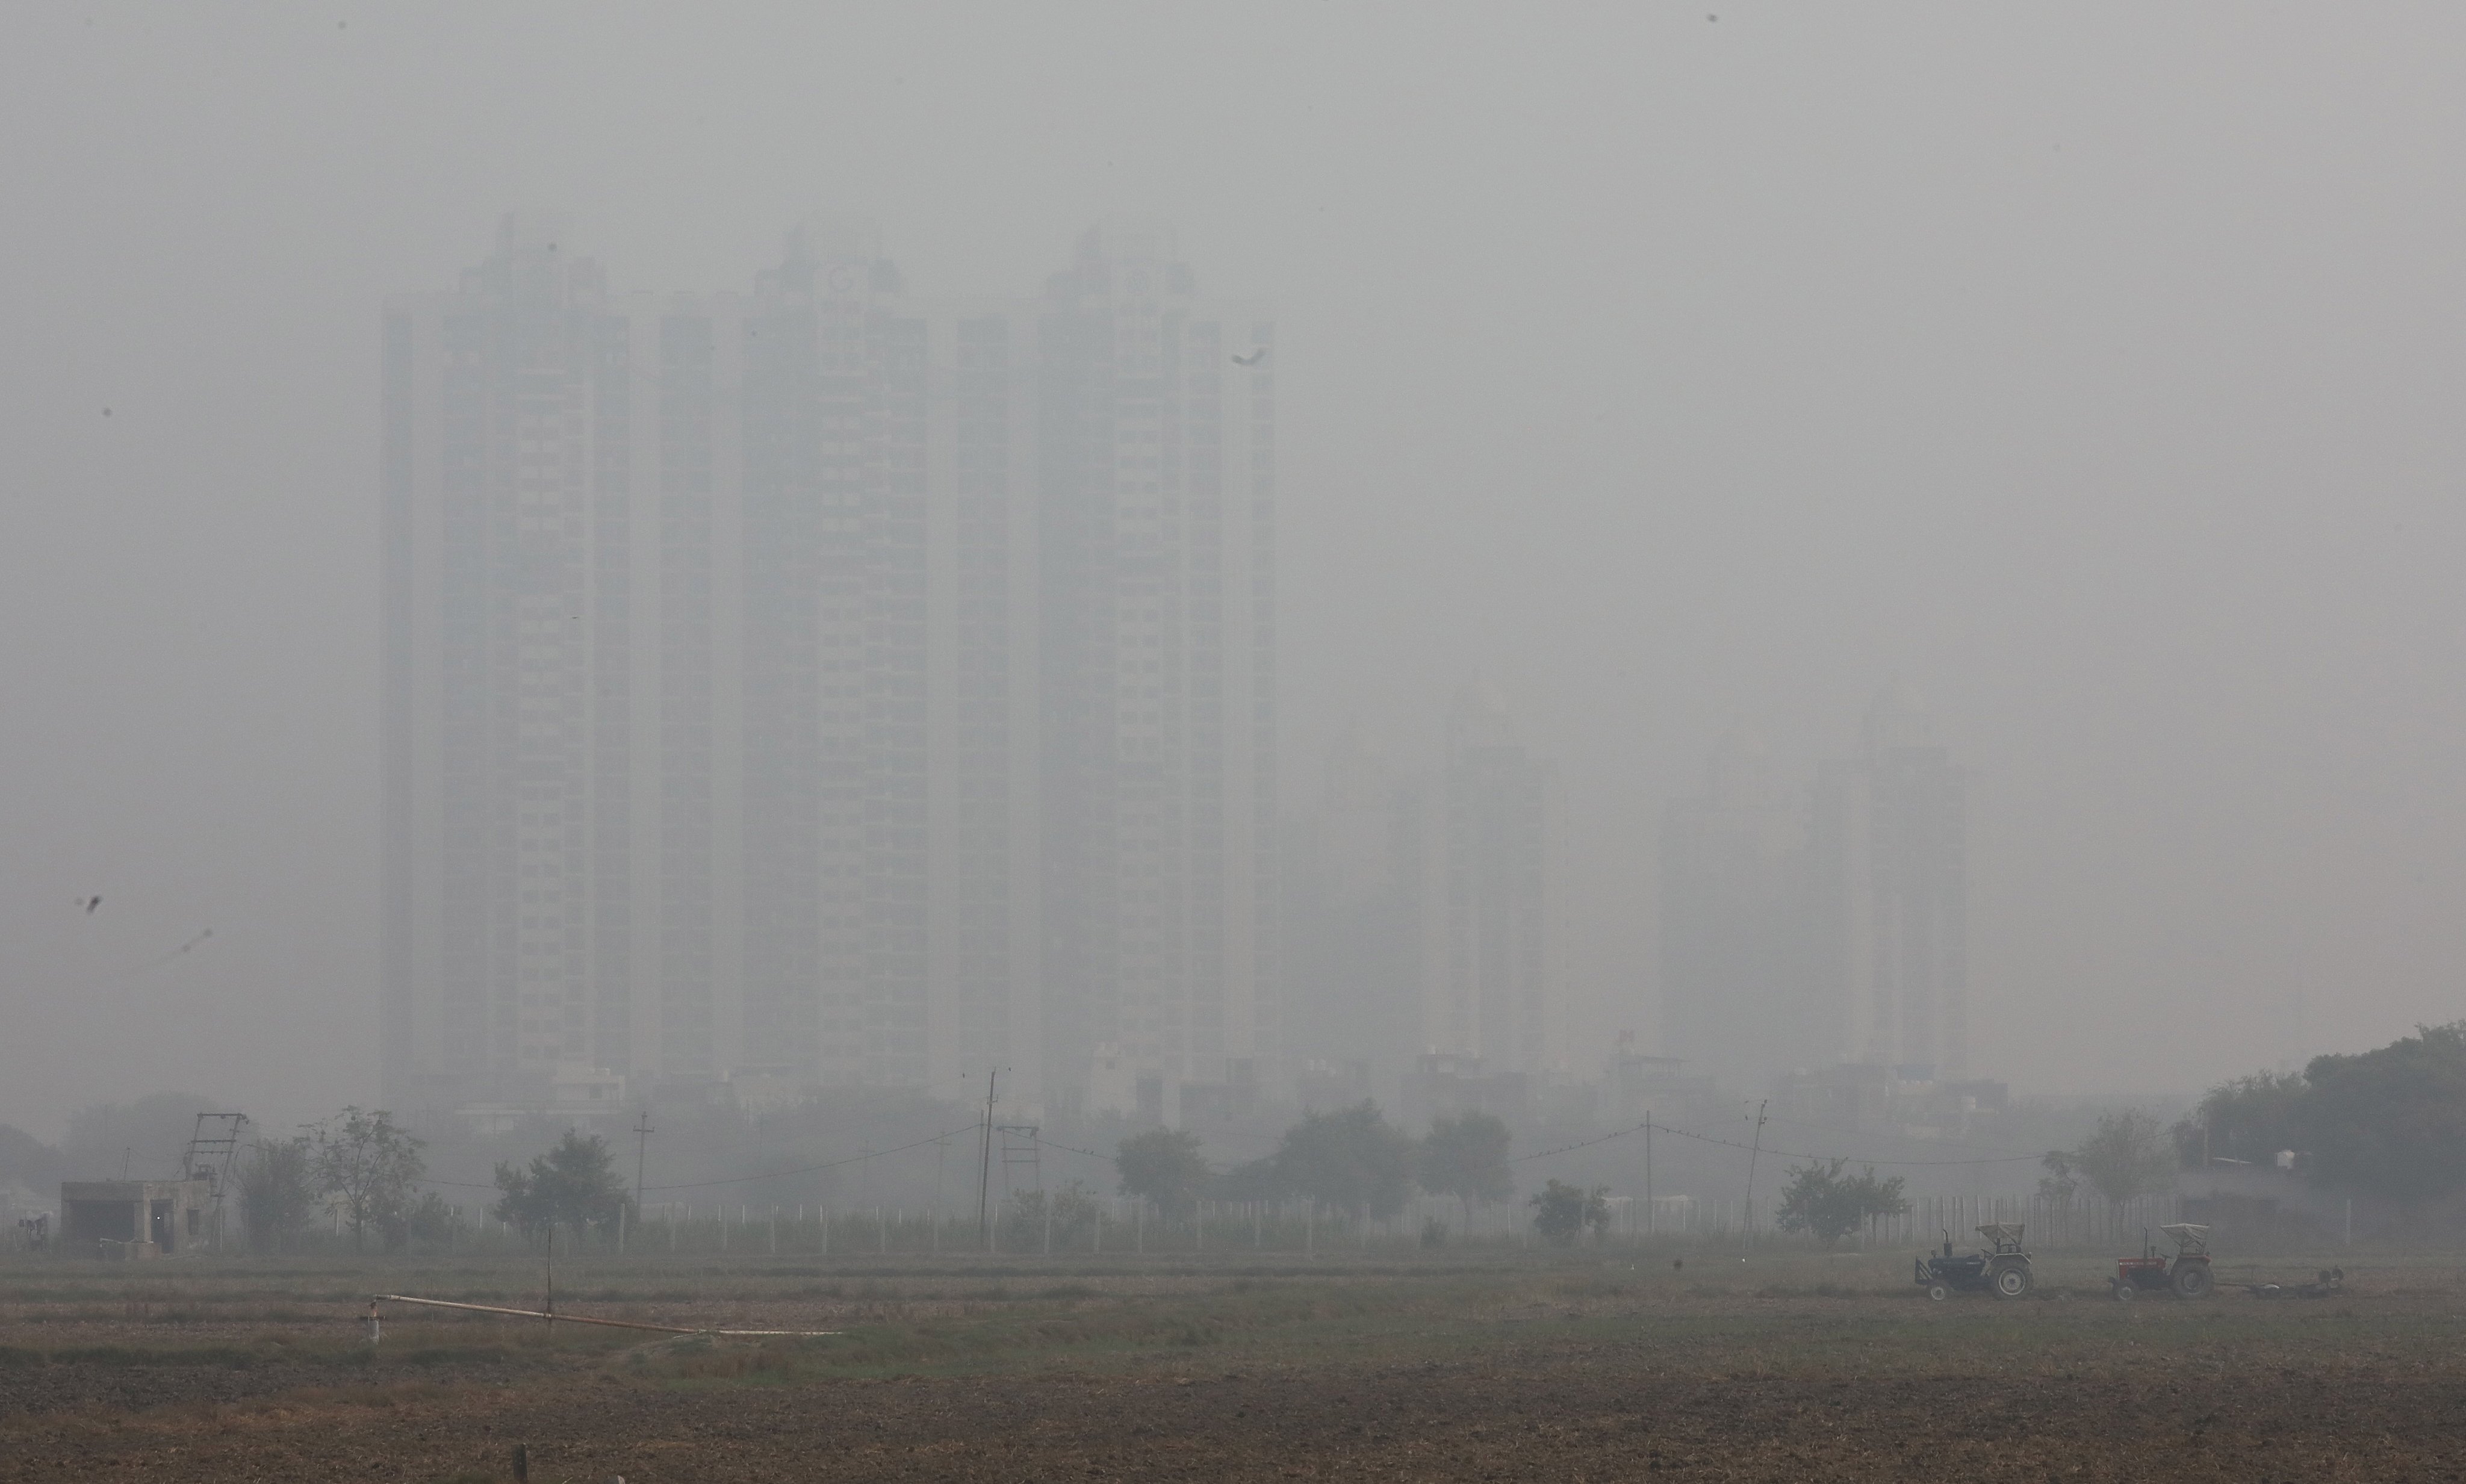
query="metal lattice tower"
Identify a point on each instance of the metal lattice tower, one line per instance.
(213, 1145)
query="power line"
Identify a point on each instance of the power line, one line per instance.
(827, 1164)
(1543, 1154)
(739, 1179)
(1835, 1128)
(1069, 1149)
(1586, 1143)
(1791, 1153)
(1786, 1154)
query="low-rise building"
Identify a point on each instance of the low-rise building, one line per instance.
(135, 1217)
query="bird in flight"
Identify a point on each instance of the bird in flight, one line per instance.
(1252, 359)
(89, 903)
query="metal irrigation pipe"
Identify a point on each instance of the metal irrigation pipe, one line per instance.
(578, 1318)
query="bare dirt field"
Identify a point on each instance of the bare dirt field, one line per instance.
(1588, 1366)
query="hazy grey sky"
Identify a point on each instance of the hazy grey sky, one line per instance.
(2092, 368)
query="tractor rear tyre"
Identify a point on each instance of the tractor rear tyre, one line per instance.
(2011, 1282)
(2193, 1280)
(1938, 1292)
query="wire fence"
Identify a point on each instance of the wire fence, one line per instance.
(1074, 1222)
(2048, 1225)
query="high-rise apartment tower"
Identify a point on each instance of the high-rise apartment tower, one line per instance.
(825, 682)
(1808, 929)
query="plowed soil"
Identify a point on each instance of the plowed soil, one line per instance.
(1550, 1377)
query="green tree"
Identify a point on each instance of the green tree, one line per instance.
(1560, 1213)
(1164, 1168)
(277, 1193)
(1352, 1160)
(2250, 1118)
(2060, 1183)
(2126, 1155)
(1466, 1157)
(1826, 1205)
(2390, 1121)
(371, 1164)
(575, 1184)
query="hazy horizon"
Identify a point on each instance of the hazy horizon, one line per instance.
(2087, 371)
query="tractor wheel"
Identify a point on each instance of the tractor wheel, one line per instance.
(2011, 1282)
(2193, 1280)
(2122, 1291)
(1938, 1292)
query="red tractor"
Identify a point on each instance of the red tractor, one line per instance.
(2187, 1275)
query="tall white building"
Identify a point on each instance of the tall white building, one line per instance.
(1155, 487)
(1739, 999)
(1359, 959)
(1808, 929)
(1495, 991)
(826, 682)
(1891, 896)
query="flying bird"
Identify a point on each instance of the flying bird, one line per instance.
(152, 964)
(1252, 359)
(89, 903)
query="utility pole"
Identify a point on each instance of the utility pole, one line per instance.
(1648, 1172)
(642, 1132)
(985, 1167)
(941, 1155)
(1754, 1149)
(641, 1141)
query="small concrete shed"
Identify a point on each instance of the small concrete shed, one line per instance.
(134, 1218)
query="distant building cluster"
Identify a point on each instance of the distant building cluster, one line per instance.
(1820, 935)
(1422, 921)
(1813, 938)
(822, 685)
(817, 685)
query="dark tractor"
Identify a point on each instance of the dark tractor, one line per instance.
(2187, 1276)
(2001, 1267)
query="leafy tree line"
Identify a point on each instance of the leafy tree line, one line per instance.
(364, 1169)
(2124, 1156)
(1825, 1203)
(360, 1166)
(574, 1186)
(1351, 1160)
(2389, 1122)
